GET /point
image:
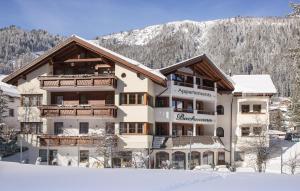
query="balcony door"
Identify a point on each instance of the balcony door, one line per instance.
(59, 100)
(52, 156)
(58, 128)
(177, 105)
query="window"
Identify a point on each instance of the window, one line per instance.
(84, 156)
(43, 155)
(162, 102)
(178, 77)
(245, 131)
(11, 112)
(177, 105)
(110, 128)
(83, 128)
(123, 99)
(208, 83)
(221, 158)
(140, 98)
(132, 99)
(123, 75)
(220, 110)
(239, 156)
(59, 100)
(131, 127)
(32, 127)
(257, 130)
(150, 100)
(31, 100)
(134, 128)
(123, 128)
(135, 99)
(220, 132)
(83, 99)
(58, 128)
(245, 108)
(257, 108)
(140, 128)
(11, 99)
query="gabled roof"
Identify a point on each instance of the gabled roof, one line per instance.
(8, 89)
(127, 62)
(254, 84)
(205, 66)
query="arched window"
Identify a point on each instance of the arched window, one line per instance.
(194, 159)
(220, 110)
(162, 159)
(178, 160)
(220, 132)
(208, 158)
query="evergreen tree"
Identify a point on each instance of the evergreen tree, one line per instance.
(3, 106)
(294, 111)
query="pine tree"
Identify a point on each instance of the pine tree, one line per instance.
(296, 10)
(295, 106)
(3, 106)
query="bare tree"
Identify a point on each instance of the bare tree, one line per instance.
(259, 146)
(140, 160)
(106, 148)
(293, 162)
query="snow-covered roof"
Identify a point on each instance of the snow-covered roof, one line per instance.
(134, 62)
(8, 89)
(254, 84)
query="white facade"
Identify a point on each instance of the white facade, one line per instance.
(158, 116)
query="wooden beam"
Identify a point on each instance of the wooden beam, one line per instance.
(84, 60)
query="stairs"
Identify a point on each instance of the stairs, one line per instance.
(158, 142)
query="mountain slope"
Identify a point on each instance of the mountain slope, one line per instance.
(18, 46)
(239, 45)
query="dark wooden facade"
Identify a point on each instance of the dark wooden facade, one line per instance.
(78, 81)
(54, 140)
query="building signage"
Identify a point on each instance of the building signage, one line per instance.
(192, 118)
(193, 92)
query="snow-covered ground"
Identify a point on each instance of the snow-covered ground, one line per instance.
(15, 176)
(289, 149)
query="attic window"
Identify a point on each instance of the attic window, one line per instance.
(123, 75)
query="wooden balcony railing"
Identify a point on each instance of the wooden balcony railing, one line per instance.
(78, 81)
(58, 140)
(77, 110)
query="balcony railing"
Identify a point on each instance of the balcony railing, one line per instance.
(64, 81)
(185, 141)
(77, 110)
(55, 140)
(192, 111)
(191, 85)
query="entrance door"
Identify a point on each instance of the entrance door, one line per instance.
(208, 157)
(52, 156)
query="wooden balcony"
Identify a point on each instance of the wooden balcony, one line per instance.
(79, 81)
(58, 140)
(78, 110)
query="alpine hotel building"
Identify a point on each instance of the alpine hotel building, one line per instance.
(191, 113)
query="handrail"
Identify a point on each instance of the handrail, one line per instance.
(191, 85)
(54, 106)
(192, 111)
(77, 76)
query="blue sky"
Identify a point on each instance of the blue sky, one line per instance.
(89, 18)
